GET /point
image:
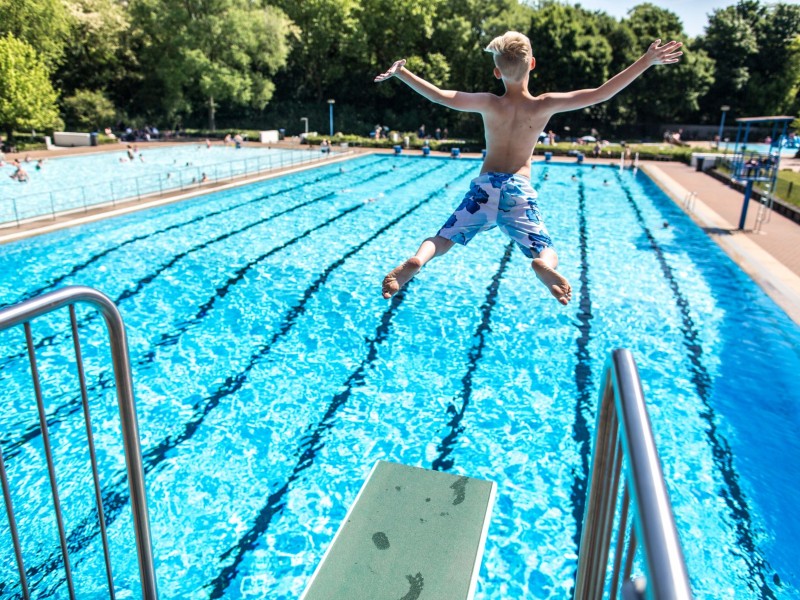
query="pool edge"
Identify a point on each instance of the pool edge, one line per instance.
(777, 281)
(105, 211)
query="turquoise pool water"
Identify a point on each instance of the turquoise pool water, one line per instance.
(786, 152)
(74, 183)
(270, 376)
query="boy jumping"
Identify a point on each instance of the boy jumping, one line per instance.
(502, 195)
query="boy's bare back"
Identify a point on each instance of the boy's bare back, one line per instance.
(512, 123)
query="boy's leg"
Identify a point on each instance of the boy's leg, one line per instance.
(544, 265)
(401, 274)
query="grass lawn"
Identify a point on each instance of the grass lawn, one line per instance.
(787, 187)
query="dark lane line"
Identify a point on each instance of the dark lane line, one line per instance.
(156, 454)
(447, 445)
(116, 498)
(150, 277)
(73, 405)
(49, 340)
(735, 499)
(220, 292)
(95, 257)
(307, 451)
(442, 462)
(583, 373)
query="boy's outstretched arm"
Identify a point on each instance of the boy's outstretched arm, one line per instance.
(655, 55)
(464, 101)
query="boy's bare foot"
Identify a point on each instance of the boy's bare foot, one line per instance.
(400, 275)
(555, 282)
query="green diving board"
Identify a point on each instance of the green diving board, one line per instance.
(411, 533)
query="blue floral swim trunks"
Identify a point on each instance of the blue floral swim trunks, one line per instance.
(499, 200)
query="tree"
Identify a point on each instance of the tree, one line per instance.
(325, 48)
(756, 58)
(730, 39)
(43, 24)
(96, 54)
(27, 98)
(669, 94)
(570, 52)
(774, 66)
(194, 52)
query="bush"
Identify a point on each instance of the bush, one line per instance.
(414, 142)
(89, 110)
(645, 151)
(251, 135)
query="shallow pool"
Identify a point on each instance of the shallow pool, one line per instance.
(131, 171)
(270, 375)
(786, 152)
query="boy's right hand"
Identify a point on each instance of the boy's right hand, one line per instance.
(392, 71)
(663, 55)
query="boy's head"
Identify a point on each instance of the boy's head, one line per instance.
(513, 55)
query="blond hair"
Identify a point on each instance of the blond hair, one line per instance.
(512, 54)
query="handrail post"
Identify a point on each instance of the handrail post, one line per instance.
(623, 431)
(26, 311)
(16, 212)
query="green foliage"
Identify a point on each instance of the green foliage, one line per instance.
(757, 58)
(571, 53)
(269, 62)
(43, 24)
(195, 53)
(613, 151)
(669, 93)
(27, 98)
(96, 52)
(467, 145)
(326, 44)
(90, 110)
(787, 187)
(218, 134)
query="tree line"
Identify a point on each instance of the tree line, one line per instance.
(90, 64)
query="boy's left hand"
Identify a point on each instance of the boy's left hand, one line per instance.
(392, 71)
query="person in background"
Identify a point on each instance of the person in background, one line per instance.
(20, 174)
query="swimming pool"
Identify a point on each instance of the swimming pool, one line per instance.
(270, 375)
(75, 183)
(786, 152)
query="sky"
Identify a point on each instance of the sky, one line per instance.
(692, 13)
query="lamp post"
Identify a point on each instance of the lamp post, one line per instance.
(724, 109)
(331, 102)
(306, 122)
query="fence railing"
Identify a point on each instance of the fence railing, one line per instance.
(22, 314)
(23, 208)
(624, 436)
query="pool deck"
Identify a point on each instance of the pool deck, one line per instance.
(770, 256)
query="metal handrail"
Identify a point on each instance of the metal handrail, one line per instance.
(624, 434)
(183, 178)
(22, 314)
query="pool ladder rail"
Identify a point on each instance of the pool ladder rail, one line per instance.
(689, 200)
(22, 314)
(624, 435)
